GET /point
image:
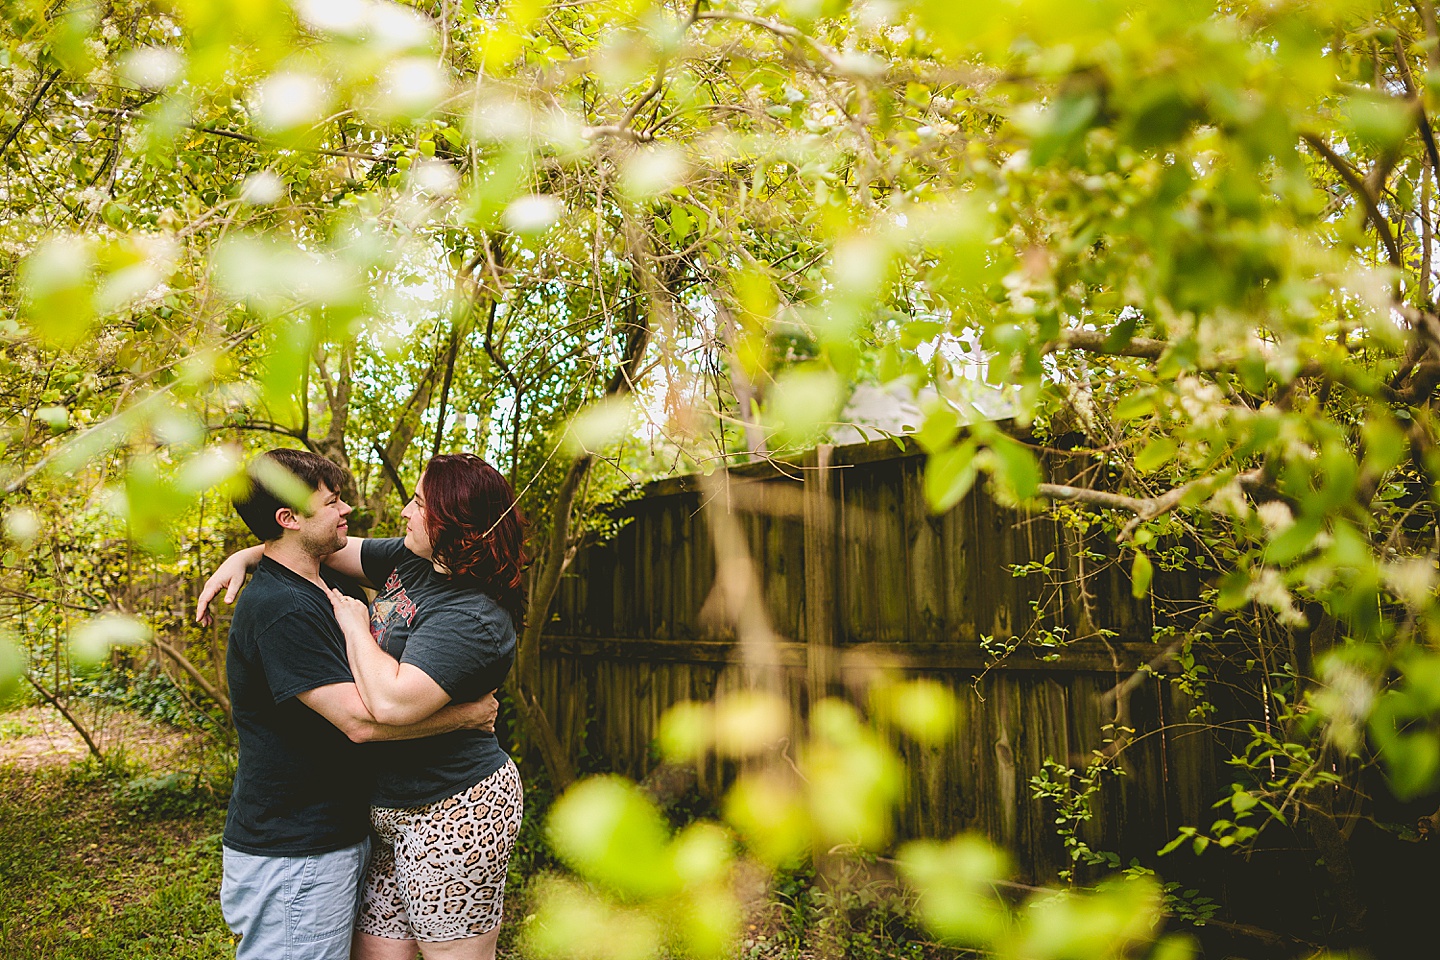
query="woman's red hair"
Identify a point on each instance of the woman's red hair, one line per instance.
(475, 527)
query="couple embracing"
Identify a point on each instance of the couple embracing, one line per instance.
(372, 803)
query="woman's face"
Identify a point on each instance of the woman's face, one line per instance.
(417, 538)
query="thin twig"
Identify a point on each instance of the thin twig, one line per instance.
(1354, 182)
(29, 111)
(260, 141)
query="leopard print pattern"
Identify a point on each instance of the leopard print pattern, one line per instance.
(438, 871)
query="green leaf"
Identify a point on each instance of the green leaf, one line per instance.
(681, 223)
(949, 475)
(12, 668)
(803, 403)
(1120, 335)
(1381, 122)
(924, 709)
(1016, 466)
(939, 429)
(284, 485)
(1142, 571)
(1385, 443)
(1133, 406)
(92, 640)
(1156, 454)
(610, 833)
(954, 883)
(1412, 762)
(1234, 590)
(1173, 845)
(1293, 541)
(57, 286)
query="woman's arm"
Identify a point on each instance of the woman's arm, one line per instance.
(346, 560)
(395, 693)
(232, 573)
(231, 577)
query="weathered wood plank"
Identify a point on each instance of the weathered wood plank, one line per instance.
(820, 573)
(961, 657)
(909, 594)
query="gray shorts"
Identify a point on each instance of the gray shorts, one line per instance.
(293, 908)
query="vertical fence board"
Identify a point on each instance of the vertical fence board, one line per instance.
(898, 577)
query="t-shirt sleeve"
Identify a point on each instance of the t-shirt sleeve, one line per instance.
(379, 556)
(455, 650)
(300, 653)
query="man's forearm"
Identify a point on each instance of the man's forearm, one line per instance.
(340, 703)
(444, 720)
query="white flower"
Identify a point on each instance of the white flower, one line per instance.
(286, 100)
(1276, 516)
(342, 17)
(1230, 500)
(533, 213)
(1202, 401)
(394, 27)
(151, 68)
(412, 86)
(436, 177)
(1411, 580)
(1269, 590)
(262, 188)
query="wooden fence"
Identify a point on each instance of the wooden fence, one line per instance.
(857, 573)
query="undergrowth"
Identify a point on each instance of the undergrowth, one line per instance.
(115, 860)
(88, 874)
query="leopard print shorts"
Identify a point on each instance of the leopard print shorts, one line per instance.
(438, 871)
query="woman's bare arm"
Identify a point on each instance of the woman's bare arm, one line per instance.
(231, 574)
(395, 693)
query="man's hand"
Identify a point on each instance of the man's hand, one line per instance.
(481, 714)
(230, 577)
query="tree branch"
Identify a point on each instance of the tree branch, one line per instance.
(390, 470)
(259, 141)
(1146, 348)
(70, 718)
(193, 672)
(780, 30)
(29, 111)
(1144, 508)
(1354, 182)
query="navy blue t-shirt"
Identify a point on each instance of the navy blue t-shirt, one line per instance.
(464, 641)
(302, 787)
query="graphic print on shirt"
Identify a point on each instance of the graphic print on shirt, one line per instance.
(391, 606)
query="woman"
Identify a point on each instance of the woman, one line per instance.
(443, 627)
(446, 809)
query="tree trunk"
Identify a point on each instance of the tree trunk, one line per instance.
(337, 398)
(554, 559)
(407, 422)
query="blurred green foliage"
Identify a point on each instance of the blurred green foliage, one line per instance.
(1188, 243)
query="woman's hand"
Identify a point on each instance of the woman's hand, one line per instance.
(230, 577)
(351, 614)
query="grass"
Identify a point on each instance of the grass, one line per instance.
(86, 872)
(121, 861)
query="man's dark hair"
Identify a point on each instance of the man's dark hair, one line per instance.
(258, 507)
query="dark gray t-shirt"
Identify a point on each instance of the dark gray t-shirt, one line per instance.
(301, 787)
(464, 641)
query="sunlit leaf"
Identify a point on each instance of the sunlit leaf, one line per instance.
(955, 885)
(91, 641)
(611, 834)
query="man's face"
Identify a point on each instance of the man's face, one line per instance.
(324, 530)
(417, 538)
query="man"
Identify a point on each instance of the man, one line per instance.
(297, 835)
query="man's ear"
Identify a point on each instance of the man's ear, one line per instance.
(287, 518)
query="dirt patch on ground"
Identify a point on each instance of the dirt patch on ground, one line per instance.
(35, 737)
